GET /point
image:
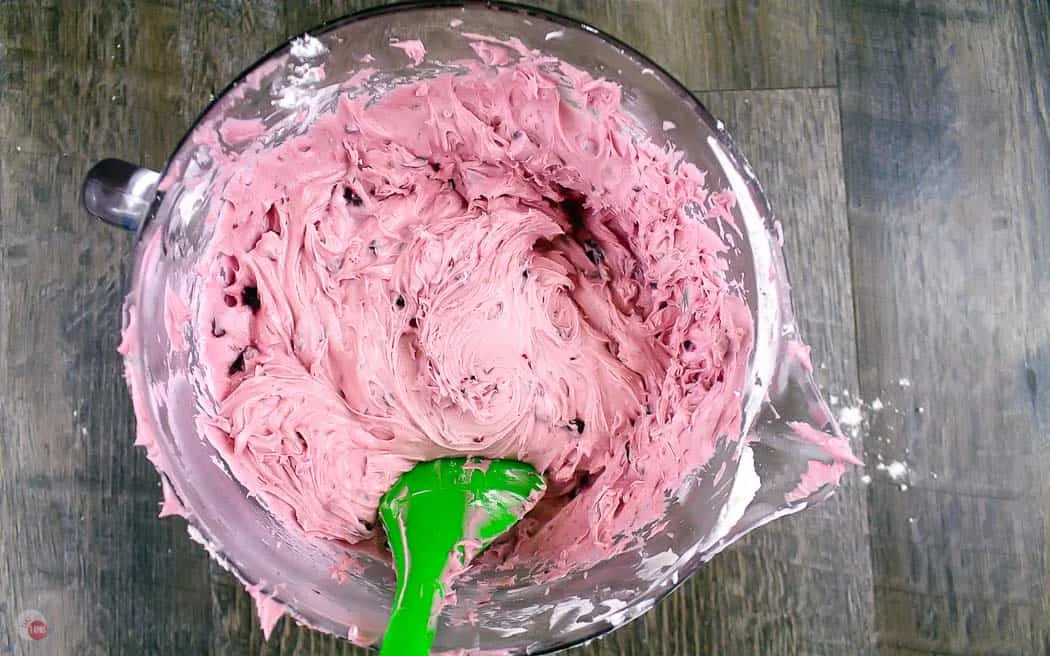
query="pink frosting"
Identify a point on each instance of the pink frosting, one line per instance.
(170, 506)
(269, 610)
(235, 131)
(497, 264)
(414, 49)
(176, 320)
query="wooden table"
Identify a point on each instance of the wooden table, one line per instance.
(905, 148)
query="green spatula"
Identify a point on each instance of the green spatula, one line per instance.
(437, 518)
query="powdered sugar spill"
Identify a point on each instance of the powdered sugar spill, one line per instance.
(307, 47)
(851, 417)
(857, 417)
(896, 470)
(299, 88)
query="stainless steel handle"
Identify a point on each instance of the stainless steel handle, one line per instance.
(120, 193)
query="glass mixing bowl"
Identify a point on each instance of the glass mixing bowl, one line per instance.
(761, 469)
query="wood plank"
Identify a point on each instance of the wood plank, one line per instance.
(945, 123)
(78, 81)
(79, 535)
(721, 45)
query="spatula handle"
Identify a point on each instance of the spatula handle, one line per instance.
(424, 530)
(411, 628)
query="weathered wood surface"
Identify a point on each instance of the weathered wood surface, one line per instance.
(944, 108)
(905, 148)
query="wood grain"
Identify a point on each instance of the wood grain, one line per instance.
(720, 44)
(78, 530)
(945, 122)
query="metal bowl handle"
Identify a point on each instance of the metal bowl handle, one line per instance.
(119, 193)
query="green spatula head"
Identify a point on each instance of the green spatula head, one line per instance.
(438, 517)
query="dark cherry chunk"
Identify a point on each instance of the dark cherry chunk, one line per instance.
(574, 211)
(583, 483)
(351, 197)
(400, 302)
(250, 297)
(238, 364)
(593, 251)
(577, 425)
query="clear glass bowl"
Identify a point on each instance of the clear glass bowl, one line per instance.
(762, 466)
